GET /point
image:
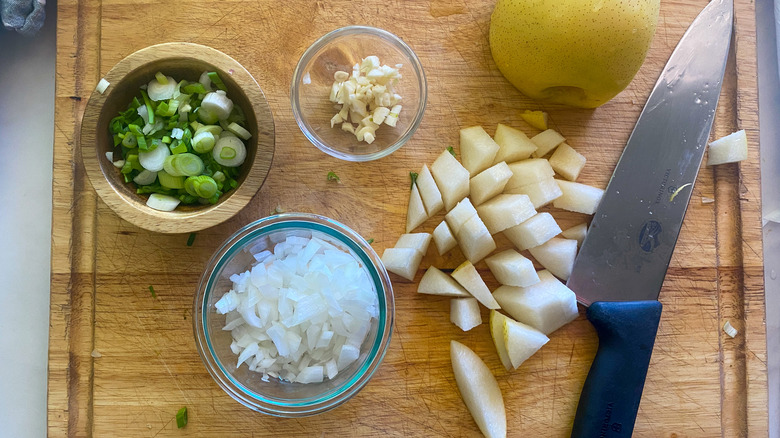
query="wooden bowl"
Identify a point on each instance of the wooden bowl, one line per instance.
(182, 61)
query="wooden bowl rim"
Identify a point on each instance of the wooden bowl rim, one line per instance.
(133, 208)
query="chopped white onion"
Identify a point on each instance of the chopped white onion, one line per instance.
(729, 329)
(301, 312)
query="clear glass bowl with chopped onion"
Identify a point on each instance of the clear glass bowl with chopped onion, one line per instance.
(293, 314)
(313, 102)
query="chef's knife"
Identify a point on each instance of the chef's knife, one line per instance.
(621, 266)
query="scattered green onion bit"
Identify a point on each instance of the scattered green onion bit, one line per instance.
(191, 239)
(151, 289)
(333, 177)
(413, 176)
(181, 417)
(370, 241)
(216, 80)
(161, 78)
(451, 150)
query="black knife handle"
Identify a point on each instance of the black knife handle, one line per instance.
(610, 396)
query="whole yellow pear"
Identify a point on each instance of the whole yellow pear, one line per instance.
(575, 52)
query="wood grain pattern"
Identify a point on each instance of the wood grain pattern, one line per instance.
(181, 61)
(701, 383)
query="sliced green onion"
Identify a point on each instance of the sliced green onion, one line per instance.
(203, 142)
(370, 241)
(166, 139)
(170, 181)
(194, 88)
(141, 141)
(168, 166)
(130, 141)
(151, 290)
(202, 186)
(149, 108)
(333, 177)
(215, 130)
(216, 80)
(161, 78)
(117, 140)
(188, 164)
(219, 176)
(178, 148)
(191, 239)
(239, 130)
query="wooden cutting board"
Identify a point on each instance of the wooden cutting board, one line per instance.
(121, 363)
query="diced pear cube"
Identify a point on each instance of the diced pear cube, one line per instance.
(436, 282)
(578, 197)
(529, 171)
(541, 193)
(546, 306)
(533, 232)
(505, 211)
(443, 238)
(468, 277)
(451, 178)
(557, 256)
(402, 261)
(511, 268)
(477, 149)
(537, 119)
(576, 232)
(475, 240)
(418, 241)
(729, 149)
(522, 341)
(464, 313)
(546, 141)
(567, 162)
(514, 144)
(429, 192)
(489, 183)
(415, 212)
(459, 215)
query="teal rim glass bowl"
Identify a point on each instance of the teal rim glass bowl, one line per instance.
(275, 397)
(339, 50)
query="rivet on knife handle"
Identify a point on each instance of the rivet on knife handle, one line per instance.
(610, 397)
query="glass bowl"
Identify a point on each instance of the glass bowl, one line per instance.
(274, 396)
(339, 50)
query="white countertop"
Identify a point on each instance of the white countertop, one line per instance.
(26, 144)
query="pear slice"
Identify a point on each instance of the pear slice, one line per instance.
(505, 211)
(415, 213)
(729, 149)
(443, 238)
(402, 261)
(528, 172)
(477, 149)
(521, 341)
(567, 162)
(514, 144)
(546, 141)
(468, 277)
(464, 313)
(537, 119)
(489, 183)
(546, 306)
(576, 232)
(533, 232)
(436, 282)
(497, 333)
(475, 240)
(429, 192)
(556, 255)
(451, 178)
(418, 241)
(511, 268)
(541, 193)
(479, 390)
(579, 198)
(459, 215)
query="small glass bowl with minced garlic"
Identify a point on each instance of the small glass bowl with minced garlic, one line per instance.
(359, 52)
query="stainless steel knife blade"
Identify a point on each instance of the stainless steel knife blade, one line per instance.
(634, 230)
